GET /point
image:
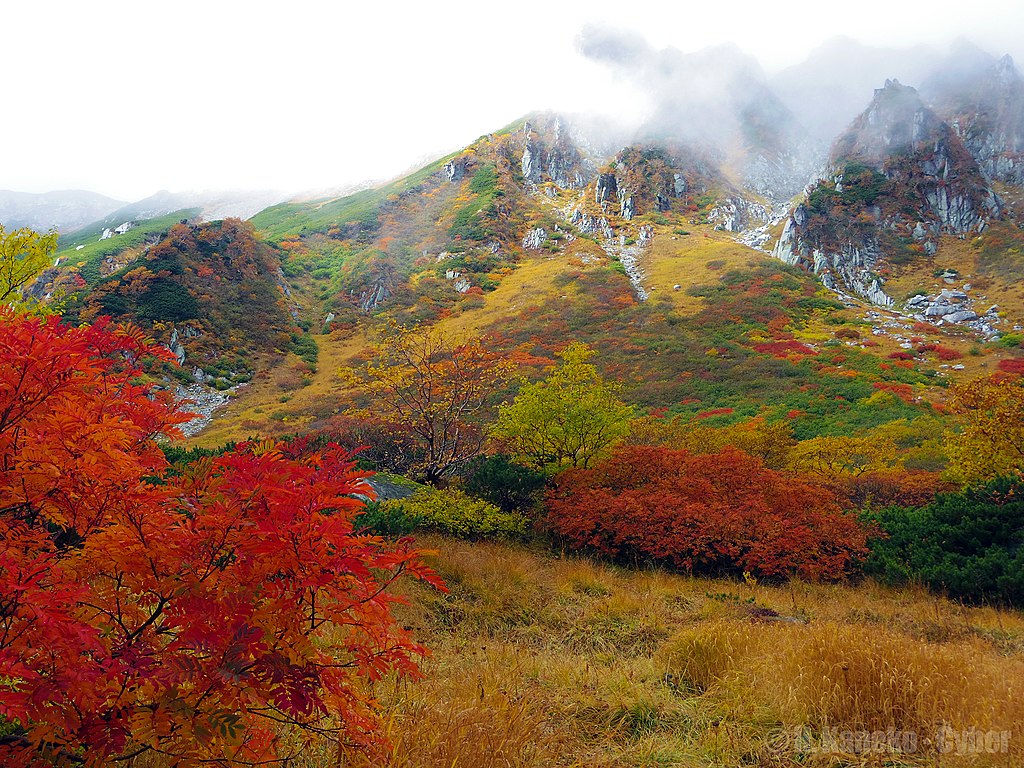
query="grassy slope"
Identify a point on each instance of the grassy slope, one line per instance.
(300, 218)
(543, 291)
(93, 252)
(540, 660)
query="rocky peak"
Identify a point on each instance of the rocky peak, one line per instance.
(984, 102)
(1005, 71)
(895, 121)
(897, 179)
(551, 151)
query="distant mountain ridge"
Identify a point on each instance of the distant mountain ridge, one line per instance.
(63, 210)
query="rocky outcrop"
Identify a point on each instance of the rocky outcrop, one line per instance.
(849, 268)
(983, 101)
(589, 225)
(736, 214)
(954, 307)
(627, 206)
(176, 347)
(379, 291)
(534, 239)
(896, 180)
(552, 153)
(455, 169)
(606, 189)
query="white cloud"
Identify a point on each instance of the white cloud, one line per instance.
(128, 97)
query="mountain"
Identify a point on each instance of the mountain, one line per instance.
(897, 180)
(983, 99)
(64, 211)
(211, 292)
(653, 246)
(716, 102)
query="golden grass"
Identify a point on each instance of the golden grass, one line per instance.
(542, 660)
(699, 258)
(277, 391)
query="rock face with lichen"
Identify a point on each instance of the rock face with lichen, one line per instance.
(896, 180)
(551, 152)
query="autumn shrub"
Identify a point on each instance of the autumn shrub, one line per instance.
(383, 519)
(901, 356)
(1012, 365)
(894, 487)
(714, 513)
(968, 544)
(947, 353)
(452, 512)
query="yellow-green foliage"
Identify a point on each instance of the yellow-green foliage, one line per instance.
(23, 255)
(452, 511)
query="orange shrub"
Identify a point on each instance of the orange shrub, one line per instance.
(712, 513)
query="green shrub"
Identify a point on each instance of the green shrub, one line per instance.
(452, 512)
(500, 481)
(969, 544)
(305, 347)
(385, 519)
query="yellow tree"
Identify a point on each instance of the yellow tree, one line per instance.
(990, 442)
(24, 253)
(567, 419)
(436, 389)
(837, 457)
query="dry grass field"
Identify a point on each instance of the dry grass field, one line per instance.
(547, 660)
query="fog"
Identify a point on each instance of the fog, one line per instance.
(125, 98)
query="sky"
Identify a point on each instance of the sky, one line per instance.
(126, 98)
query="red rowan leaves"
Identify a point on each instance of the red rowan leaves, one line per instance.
(192, 614)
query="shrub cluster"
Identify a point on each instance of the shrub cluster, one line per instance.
(452, 512)
(714, 513)
(968, 544)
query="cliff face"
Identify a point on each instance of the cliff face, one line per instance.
(984, 104)
(550, 152)
(896, 179)
(656, 177)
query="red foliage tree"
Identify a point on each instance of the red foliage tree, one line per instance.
(709, 513)
(196, 614)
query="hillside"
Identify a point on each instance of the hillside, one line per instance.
(574, 447)
(210, 292)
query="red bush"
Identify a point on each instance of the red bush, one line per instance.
(1014, 365)
(904, 392)
(947, 353)
(900, 356)
(784, 348)
(711, 513)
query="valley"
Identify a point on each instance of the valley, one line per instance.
(697, 444)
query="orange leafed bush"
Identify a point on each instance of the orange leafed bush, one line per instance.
(711, 513)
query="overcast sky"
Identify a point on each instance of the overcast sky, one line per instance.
(125, 98)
